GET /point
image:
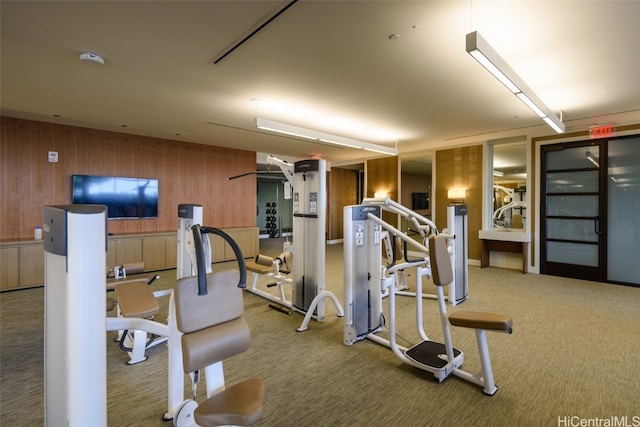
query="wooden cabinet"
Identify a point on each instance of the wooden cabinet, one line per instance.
(128, 250)
(9, 268)
(246, 238)
(122, 250)
(22, 262)
(154, 253)
(171, 250)
(160, 252)
(32, 265)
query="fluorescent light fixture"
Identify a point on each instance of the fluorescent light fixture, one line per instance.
(341, 143)
(315, 135)
(554, 125)
(529, 103)
(282, 128)
(483, 53)
(593, 158)
(498, 173)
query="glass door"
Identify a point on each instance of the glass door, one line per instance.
(623, 188)
(573, 211)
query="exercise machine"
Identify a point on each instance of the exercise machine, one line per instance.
(307, 278)
(504, 216)
(458, 290)
(75, 317)
(366, 280)
(134, 299)
(277, 268)
(75, 244)
(189, 215)
(194, 254)
(208, 310)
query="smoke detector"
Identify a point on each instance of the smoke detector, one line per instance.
(91, 59)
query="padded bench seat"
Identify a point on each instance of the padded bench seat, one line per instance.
(259, 268)
(481, 320)
(136, 299)
(240, 404)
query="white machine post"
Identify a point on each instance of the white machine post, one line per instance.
(75, 244)
(309, 223)
(188, 215)
(457, 226)
(362, 273)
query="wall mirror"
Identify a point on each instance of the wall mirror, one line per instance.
(508, 165)
(415, 185)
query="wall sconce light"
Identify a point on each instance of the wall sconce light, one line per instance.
(457, 194)
(380, 194)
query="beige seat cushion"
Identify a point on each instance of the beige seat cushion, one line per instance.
(136, 299)
(240, 405)
(480, 320)
(133, 267)
(215, 344)
(259, 268)
(441, 271)
(222, 303)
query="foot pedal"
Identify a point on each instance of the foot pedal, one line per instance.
(280, 309)
(430, 353)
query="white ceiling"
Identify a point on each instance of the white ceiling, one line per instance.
(324, 65)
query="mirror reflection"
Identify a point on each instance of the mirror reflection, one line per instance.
(509, 207)
(415, 184)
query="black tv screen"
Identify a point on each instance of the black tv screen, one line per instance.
(124, 197)
(419, 201)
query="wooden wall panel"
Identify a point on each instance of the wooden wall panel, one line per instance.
(461, 168)
(187, 173)
(343, 190)
(384, 175)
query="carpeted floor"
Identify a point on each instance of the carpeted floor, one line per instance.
(573, 356)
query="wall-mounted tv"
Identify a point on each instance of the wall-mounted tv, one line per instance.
(419, 201)
(124, 197)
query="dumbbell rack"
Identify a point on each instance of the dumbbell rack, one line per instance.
(271, 221)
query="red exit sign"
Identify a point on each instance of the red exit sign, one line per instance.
(601, 131)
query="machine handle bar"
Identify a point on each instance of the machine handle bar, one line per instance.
(198, 231)
(395, 207)
(397, 232)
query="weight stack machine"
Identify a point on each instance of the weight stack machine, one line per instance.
(362, 272)
(188, 215)
(75, 342)
(457, 223)
(309, 223)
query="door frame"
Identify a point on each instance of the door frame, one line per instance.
(598, 273)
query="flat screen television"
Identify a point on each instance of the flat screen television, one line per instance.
(124, 197)
(419, 201)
